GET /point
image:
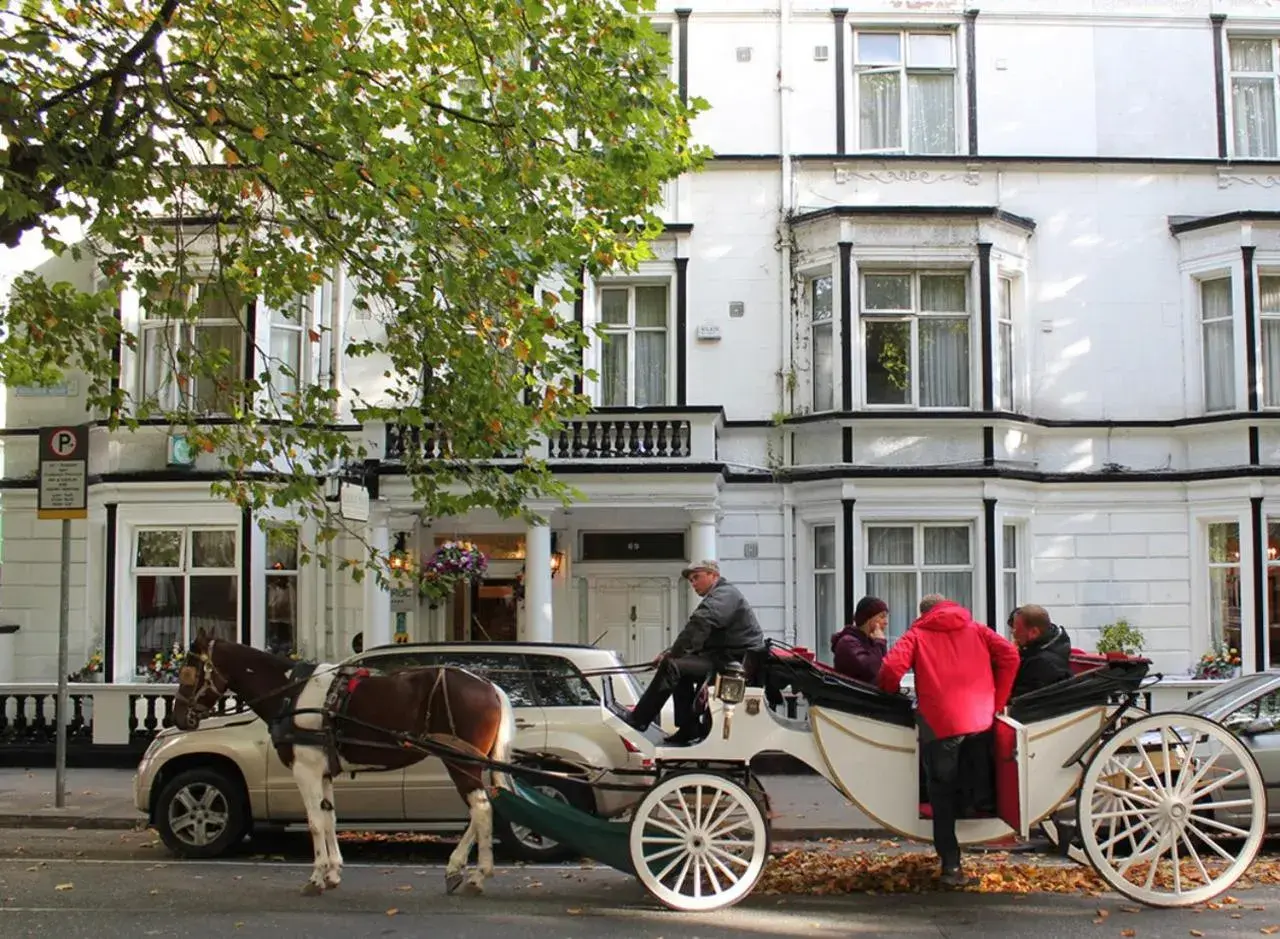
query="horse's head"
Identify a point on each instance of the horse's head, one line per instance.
(200, 684)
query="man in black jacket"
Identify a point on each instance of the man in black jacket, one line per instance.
(722, 629)
(1044, 646)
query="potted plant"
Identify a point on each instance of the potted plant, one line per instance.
(451, 563)
(91, 670)
(1119, 637)
(1222, 663)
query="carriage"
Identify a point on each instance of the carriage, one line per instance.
(1170, 807)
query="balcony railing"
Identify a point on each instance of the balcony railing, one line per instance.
(625, 434)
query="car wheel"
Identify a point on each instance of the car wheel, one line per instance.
(524, 844)
(201, 813)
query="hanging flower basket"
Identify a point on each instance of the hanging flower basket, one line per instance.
(1221, 663)
(452, 563)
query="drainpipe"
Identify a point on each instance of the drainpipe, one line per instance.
(331, 650)
(784, 207)
(789, 629)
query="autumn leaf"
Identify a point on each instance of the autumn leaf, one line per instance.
(1128, 933)
(392, 912)
(1269, 930)
(259, 133)
(1196, 932)
(574, 911)
(61, 887)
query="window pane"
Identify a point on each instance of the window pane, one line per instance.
(1215, 299)
(898, 590)
(824, 360)
(1005, 307)
(613, 306)
(946, 545)
(944, 362)
(1253, 112)
(1010, 594)
(1219, 366)
(158, 605)
(879, 48)
(286, 356)
(651, 306)
(956, 586)
(1224, 605)
(931, 113)
(1271, 361)
(824, 547)
(1250, 55)
(824, 611)
(159, 548)
(220, 301)
(1004, 365)
(944, 293)
(1269, 295)
(1273, 615)
(651, 369)
(213, 549)
(158, 361)
(282, 613)
(1224, 542)
(890, 547)
(282, 548)
(293, 313)
(613, 370)
(891, 292)
(220, 345)
(888, 363)
(821, 300)
(930, 50)
(215, 605)
(559, 684)
(1010, 547)
(880, 111)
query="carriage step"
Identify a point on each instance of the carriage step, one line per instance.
(590, 836)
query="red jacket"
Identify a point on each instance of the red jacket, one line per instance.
(964, 671)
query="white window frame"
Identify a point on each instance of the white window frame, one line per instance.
(831, 326)
(1005, 385)
(912, 316)
(1231, 76)
(294, 573)
(903, 68)
(1200, 280)
(630, 283)
(1270, 382)
(918, 567)
(1201, 638)
(1010, 567)
(821, 647)
(168, 395)
(308, 366)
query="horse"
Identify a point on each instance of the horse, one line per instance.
(354, 720)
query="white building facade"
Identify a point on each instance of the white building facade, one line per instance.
(977, 301)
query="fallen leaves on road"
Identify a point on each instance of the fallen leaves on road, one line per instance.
(392, 912)
(64, 887)
(394, 837)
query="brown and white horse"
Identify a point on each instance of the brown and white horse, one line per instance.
(447, 705)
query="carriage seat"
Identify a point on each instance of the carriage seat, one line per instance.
(823, 686)
(1095, 681)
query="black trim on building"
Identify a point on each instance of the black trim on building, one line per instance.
(109, 596)
(579, 317)
(682, 50)
(682, 329)
(251, 341)
(1219, 82)
(846, 325)
(971, 76)
(846, 535)
(1259, 582)
(846, 445)
(988, 446)
(246, 574)
(1010, 417)
(838, 14)
(1003, 159)
(1178, 224)
(986, 326)
(1250, 331)
(922, 211)
(1255, 449)
(989, 558)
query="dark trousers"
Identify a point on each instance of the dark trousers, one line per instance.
(676, 677)
(942, 770)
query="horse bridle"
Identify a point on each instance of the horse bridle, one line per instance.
(206, 690)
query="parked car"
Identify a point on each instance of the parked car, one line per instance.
(205, 790)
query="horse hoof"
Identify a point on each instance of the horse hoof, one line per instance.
(473, 889)
(452, 882)
(312, 889)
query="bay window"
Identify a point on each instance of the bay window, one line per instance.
(185, 578)
(634, 357)
(915, 330)
(904, 562)
(906, 84)
(193, 364)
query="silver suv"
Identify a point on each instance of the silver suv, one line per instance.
(205, 790)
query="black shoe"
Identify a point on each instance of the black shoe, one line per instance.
(683, 738)
(957, 878)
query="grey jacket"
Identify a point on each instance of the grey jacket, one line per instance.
(722, 625)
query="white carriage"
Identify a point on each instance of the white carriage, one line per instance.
(1151, 792)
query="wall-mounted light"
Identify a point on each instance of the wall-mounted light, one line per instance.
(557, 561)
(400, 554)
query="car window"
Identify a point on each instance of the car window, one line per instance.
(559, 683)
(390, 662)
(1267, 705)
(507, 670)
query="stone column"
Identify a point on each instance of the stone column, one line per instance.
(538, 626)
(702, 542)
(377, 601)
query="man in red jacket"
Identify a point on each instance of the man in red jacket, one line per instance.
(964, 675)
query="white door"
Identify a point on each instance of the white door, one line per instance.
(632, 617)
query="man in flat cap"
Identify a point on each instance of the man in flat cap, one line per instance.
(722, 629)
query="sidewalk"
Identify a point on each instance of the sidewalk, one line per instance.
(805, 807)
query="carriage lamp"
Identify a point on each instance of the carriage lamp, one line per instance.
(731, 688)
(399, 559)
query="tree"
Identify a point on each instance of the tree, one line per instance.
(446, 156)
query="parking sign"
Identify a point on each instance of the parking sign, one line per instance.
(64, 472)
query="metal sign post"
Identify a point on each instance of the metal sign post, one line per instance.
(63, 480)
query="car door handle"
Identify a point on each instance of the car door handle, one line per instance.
(523, 724)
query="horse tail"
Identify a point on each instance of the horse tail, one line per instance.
(501, 750)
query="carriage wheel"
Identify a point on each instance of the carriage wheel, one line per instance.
(1148, 816)
(699, 842)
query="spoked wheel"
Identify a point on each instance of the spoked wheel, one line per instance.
(1152, 805)
(699, 842)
